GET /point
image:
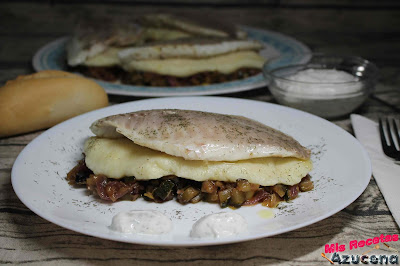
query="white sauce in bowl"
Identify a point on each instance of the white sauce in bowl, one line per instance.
(319, 83)
(322, 76)
(219, 225)
(328, 93)
(141, 222)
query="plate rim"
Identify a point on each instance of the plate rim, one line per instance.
(206, 242)
(233, 88)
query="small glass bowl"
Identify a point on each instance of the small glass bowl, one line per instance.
(326, 99)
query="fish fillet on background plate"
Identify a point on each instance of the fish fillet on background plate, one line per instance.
(184, 59)
(164, 50)
(96, 41)
(193, 156)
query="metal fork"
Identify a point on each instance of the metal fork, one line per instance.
(388, 144)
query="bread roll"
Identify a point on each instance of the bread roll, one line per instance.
(46, 98)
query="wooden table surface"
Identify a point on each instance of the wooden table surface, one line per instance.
(372, 33)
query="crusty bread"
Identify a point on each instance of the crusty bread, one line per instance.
(46, 98)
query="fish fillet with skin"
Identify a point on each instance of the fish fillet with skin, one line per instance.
(95, 37)
(196, 48)
(90, 40)
(196, 135)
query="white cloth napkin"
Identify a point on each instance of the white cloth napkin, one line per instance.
(385, 171)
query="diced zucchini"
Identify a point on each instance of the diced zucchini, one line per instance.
(164, 189)
(223, 197)
(196, 198)
(237, 198)
(188, 194)
(272, 201)
(306, 184)
(243, 185)
(211, 197)
(280, 190)
(249, 194)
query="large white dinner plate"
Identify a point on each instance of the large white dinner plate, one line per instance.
(53, 56)
(341, 173)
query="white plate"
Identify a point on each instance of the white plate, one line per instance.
(53, 56)
(341, 173)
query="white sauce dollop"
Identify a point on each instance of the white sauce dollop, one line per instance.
(319, 83)
(141, 222)
(218, 225)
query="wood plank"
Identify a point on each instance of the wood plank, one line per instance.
(340, 3)
(24, 18)
(248, 3)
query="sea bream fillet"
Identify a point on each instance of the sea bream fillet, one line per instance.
(188, 49)
(183, 58)
(196, 135)
(94, 46)
(164, 50)
(195, 145)
(96, 42)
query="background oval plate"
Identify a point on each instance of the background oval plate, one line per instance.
(53, 56)
(341, 173)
